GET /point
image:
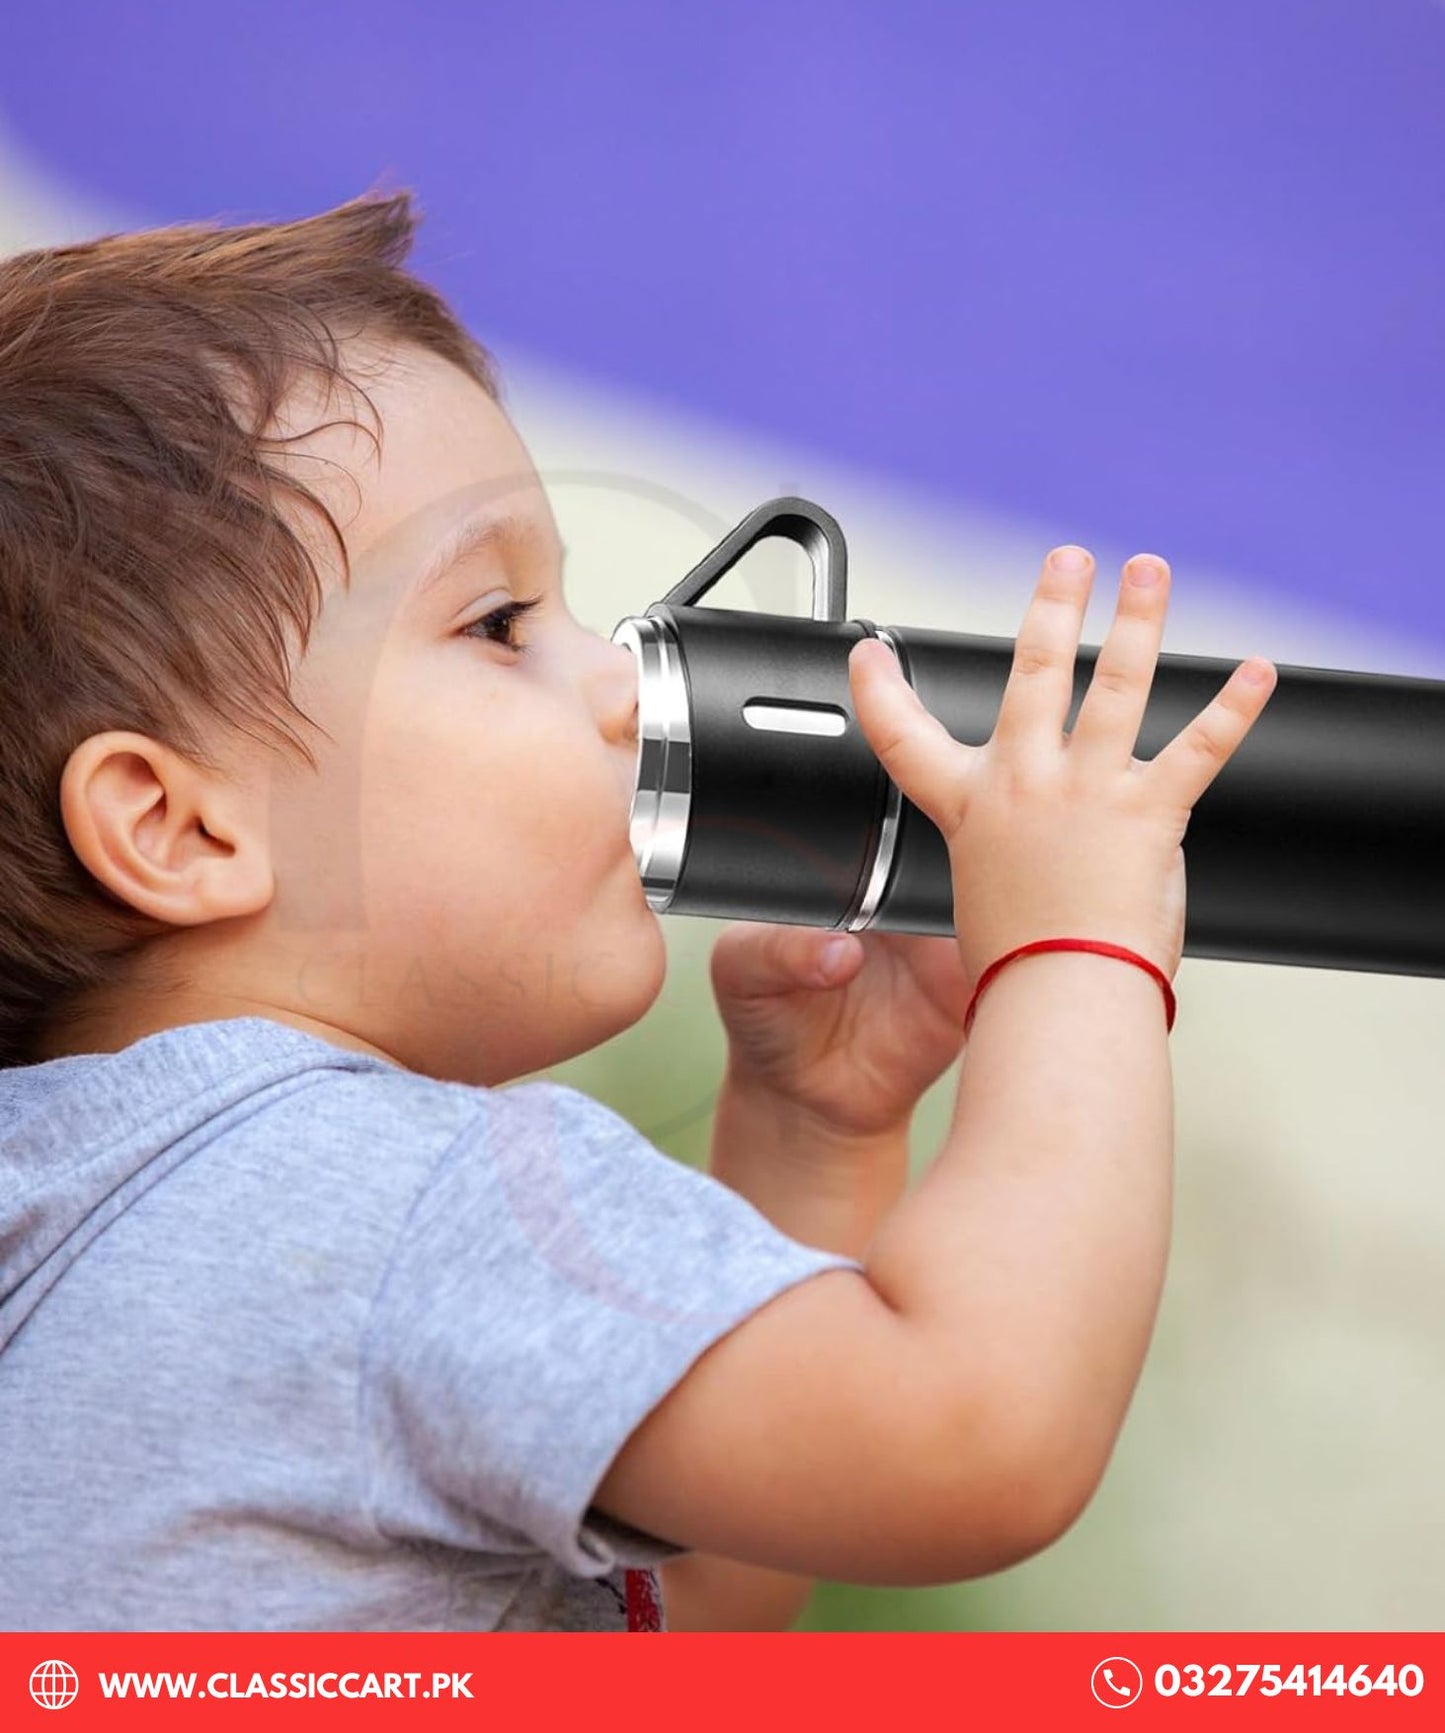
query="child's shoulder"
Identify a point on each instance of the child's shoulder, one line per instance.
(376, 1109)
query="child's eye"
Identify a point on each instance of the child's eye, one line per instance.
(500, 619)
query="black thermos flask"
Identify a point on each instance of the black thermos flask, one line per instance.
(1320, 843)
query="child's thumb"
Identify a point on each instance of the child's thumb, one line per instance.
(914, 747)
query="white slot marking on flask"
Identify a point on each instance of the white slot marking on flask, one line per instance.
(783, 718)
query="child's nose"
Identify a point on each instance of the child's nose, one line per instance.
(619, 695)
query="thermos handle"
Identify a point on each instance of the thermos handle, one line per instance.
(799, 520)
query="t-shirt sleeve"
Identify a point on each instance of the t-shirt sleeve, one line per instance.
(556, 1276)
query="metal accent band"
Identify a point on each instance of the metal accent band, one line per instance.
(662, 795)
(861, 915)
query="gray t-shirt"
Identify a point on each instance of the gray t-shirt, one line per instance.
(293, 1338)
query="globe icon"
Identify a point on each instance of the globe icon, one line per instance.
(53, 1685)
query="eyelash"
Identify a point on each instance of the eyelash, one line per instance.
(506, 615)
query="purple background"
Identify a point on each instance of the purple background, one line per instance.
(1144, 272)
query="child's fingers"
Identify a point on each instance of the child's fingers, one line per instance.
(1040, 685)
(1107, 727)
(917, 751)
(1199, 751)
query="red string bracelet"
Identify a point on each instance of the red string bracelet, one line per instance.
(1103, 948)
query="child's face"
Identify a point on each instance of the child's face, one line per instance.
(454, 886)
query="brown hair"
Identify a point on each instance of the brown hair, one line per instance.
(148, 580)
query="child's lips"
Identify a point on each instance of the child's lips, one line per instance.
(625, 843)
(631, 853)
(629, 794)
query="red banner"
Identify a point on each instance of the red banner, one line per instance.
(749, 1682)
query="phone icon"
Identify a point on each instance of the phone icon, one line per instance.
(1116, 1682)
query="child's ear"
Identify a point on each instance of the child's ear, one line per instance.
(177, 842)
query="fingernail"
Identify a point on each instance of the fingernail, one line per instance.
(830, 957)
(1144, 571)
(876, 650)
(1069, 559)
(1256, 672)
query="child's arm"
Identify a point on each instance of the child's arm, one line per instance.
(952, 1413)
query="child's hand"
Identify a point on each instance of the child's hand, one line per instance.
(1054, 835)
(855, 1049)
